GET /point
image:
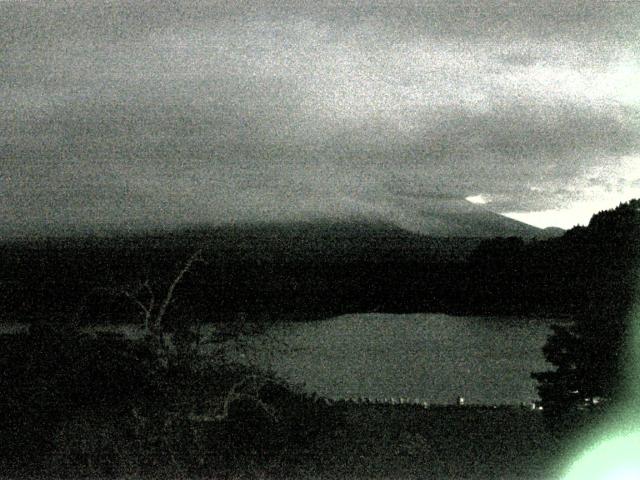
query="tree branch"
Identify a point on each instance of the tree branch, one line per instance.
(147, 309)
(197, 256)
(234, 395)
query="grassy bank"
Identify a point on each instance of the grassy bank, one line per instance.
(354, 442)
(372, 441)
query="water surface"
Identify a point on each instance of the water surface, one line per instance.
(431, 357)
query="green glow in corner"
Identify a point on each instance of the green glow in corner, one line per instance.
(614, 452)
(616, 458)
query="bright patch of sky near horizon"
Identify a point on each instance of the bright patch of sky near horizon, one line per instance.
(597, 192)
(129, 114)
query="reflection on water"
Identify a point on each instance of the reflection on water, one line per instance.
(431, 357)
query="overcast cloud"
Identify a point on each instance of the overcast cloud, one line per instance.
(148, 113)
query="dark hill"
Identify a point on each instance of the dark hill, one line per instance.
(326, 265)
(550, 232)
(446, 216)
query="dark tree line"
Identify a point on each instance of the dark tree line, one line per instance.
(252, 272)
(589, 277)
(586, 268)
(592, 353)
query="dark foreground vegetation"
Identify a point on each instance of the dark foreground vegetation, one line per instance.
(76, 404)
(100, 405)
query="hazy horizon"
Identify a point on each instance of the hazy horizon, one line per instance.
(377, 224)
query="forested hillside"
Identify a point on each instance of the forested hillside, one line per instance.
(324, 269)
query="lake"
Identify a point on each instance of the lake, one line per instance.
(431, 357)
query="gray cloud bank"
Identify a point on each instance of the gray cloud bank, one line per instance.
(136, 113)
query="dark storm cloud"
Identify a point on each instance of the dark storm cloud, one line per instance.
(498, 153)
(490, 21)
(134, 112)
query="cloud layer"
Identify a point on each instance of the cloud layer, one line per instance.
(133, 113)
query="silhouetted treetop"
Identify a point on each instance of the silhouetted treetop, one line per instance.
(592, 353)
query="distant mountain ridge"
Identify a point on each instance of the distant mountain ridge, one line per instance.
(550, 232)
(451, 229)
(443, 216)
(320, 265)
(430, 215)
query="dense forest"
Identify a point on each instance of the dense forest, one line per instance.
(586, 267)
(593, 355)
(321, 268)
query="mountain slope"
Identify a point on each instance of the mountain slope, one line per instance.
(445, 216)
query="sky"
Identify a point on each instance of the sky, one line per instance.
(135, 114)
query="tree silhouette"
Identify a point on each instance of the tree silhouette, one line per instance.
(590, 354)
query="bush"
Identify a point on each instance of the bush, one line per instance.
(104, 405)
